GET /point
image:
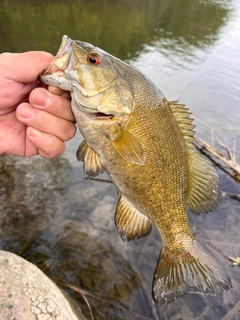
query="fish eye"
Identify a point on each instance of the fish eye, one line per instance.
(94, 59)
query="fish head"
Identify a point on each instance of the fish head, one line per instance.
(95, 79)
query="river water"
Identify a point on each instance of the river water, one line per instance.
(64, 223)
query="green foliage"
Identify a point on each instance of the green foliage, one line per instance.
(122, 28)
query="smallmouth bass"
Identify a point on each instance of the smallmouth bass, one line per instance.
(144, 142)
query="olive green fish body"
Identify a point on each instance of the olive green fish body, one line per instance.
(154, 186)
(145, 144)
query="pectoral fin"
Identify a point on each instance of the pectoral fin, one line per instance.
(91, 162)
(129, 148)
(131, 223)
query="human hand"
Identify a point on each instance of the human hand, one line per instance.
(32, 119)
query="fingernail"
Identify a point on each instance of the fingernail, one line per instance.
(26, 111)
(41, 98)
(34, 133)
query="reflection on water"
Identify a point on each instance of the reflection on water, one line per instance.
(64, 224)
(120, 27)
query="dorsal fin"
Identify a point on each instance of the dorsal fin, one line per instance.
(204, 191)
(91, 162)
(130, 223)
(182, 115)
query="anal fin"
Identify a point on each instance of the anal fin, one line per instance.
(91, 162)
(130, 223)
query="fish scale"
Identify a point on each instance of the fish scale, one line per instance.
(145, 143)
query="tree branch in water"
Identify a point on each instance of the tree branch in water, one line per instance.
(225, 162)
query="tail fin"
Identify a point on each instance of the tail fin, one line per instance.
(192, 272)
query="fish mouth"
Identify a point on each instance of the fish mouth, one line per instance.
(41, 74)
(60, 66)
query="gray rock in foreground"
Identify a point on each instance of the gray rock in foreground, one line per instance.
(27, 293)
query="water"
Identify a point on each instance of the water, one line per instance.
(64, 223)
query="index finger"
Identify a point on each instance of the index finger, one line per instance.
(24, 67)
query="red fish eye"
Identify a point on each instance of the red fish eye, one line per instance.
(94, 59)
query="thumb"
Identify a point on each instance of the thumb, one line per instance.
(25, 67)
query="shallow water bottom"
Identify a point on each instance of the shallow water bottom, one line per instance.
(55, 217)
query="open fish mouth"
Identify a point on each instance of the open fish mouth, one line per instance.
(55, 73)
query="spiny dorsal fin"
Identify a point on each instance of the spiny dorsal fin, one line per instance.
(91, 162)
(204, 191)
(130, 223)
(129, 148)
(182, 115)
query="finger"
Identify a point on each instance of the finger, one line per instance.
(26, 65)
(56, 105)
(48, 145)
(59, 92)
(45, 122)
